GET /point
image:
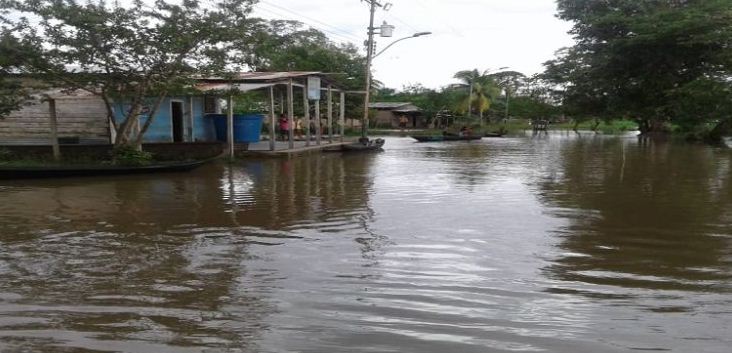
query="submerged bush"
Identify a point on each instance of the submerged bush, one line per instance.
(5, 154)
(126, 155)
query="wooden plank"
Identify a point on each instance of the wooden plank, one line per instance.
(54, 129)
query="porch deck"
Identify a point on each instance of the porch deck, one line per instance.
(262, 148)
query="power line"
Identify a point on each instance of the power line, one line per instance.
(333, 35)
(444, 23)
(341, 32)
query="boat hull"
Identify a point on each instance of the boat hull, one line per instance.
(373, 146)
(88, 171)
(446, 138)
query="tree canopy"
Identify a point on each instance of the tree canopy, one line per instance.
(646, 60)
(125, 52)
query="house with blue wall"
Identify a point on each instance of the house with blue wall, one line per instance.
(178, 119)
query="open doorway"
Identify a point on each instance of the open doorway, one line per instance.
(176, 116)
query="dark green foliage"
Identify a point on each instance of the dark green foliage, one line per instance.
(649, 60)
(281, 45)
(135, 52)
(5, 155)
(129, 156)
(12, 96)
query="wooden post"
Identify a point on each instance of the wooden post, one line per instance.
(191, 123)
(290, 116)
(318, 131)
(330, 114)
(342, 115)
(54, 129)
(306, 108)
(282, 103)
(272, 120)
(230, 127)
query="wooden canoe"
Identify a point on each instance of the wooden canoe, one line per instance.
(95, 170)
(436, 138)
(374, 145)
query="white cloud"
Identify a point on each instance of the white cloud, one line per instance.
(467, 34)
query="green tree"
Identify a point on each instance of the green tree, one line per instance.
(12, 93)
(482, 91)
(137, 53)
(281, 45)
(631, 58)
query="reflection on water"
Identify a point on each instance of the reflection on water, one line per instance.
(552, 243)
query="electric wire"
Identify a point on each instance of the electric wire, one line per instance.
(331, 29)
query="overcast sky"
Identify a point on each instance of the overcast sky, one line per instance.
(467, 34)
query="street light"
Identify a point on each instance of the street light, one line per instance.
(419, 34)
(385, 30)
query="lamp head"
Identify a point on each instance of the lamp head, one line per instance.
(419, 34)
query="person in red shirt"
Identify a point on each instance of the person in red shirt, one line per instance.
(284, 125)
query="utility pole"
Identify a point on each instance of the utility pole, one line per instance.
(508, 92)
(470, 101)
(373, 4)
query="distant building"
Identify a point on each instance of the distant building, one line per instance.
(389, 113)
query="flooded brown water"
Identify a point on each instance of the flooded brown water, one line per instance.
(555, 244)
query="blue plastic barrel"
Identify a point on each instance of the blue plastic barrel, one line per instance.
(247, 127)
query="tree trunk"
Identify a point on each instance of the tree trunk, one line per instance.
(715, 136)
(644, 126)
(153, 112)
(597, 125)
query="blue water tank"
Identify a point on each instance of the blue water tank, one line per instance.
(247, 127)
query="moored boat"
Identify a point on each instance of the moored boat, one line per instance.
(427, 138)
(64, 171)
(372, 145)
(438, 138)
(493, 134)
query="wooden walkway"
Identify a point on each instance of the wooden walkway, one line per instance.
(262, 148)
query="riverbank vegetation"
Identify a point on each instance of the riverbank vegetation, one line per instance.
(662, 64)
(658, 66)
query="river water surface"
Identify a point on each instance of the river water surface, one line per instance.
(555, 244)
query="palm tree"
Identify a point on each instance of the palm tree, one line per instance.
(482, 91)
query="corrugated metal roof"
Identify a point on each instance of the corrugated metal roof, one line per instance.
(241, 87)
(265, 76)
(387, 105)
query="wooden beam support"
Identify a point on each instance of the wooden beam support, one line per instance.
(191, 122)
(306, 117)
(272, 120)
(290, 116)
(54, 129)
(342, 116)
(318, 131)
(230, 127)
(330, 114)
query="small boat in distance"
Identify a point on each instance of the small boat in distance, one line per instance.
(364, 146)
(494, 134)
(439, 138)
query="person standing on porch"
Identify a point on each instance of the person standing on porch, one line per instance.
(299, 128)
(284, 128)
(403, 122)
